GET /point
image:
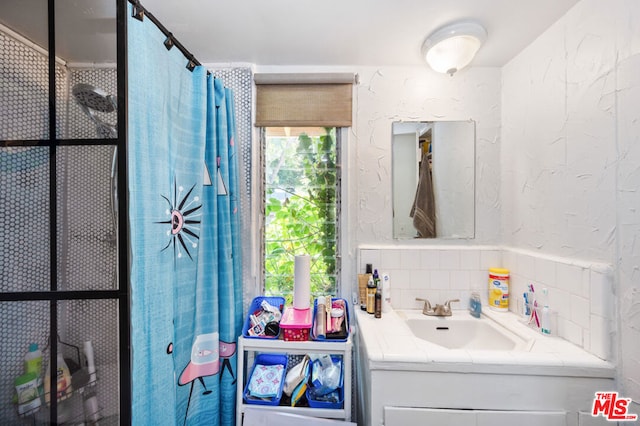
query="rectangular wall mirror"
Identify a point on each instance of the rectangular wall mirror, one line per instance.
(433, 179)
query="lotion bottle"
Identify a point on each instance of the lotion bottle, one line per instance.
(321, 318)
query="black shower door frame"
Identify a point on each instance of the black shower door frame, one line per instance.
(121, 294)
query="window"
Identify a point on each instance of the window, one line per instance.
(301, 207)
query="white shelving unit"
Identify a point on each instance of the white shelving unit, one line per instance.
(295, 348)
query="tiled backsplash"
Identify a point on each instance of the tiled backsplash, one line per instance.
(580, 292)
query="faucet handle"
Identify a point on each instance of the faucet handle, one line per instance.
(447, 304)
(427, 304)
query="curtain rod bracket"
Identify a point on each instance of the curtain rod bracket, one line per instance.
(137, 11)
(191, 65)
(168, 43)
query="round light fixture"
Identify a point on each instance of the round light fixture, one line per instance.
(453, 47)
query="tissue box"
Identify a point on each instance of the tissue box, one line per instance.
(266, 359)
(278, 302)
(295, 324)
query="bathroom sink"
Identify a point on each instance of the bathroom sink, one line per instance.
(462, 332)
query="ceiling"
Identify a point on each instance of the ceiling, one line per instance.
(292, 32)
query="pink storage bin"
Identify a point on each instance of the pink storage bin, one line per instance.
(295, 324)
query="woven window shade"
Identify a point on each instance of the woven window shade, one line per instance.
(323, 104)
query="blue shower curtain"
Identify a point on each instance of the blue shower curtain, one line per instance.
(186, 292)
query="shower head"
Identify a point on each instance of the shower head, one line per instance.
(93, 98)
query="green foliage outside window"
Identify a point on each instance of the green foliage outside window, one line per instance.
(301, 210)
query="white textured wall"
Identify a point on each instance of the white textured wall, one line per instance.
(390, 94)
(571, 153)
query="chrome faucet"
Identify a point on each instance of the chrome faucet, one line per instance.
(438, 310)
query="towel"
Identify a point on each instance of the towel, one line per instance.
(423, 211)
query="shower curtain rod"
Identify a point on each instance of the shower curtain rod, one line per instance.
(139, 12)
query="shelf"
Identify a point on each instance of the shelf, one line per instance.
(295, 348)
(292, 347)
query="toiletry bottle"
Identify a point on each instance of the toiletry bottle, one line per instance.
(386, 292)
(321, 318)
(376, 278)
(362, 285)
(371, 296)
(378, 303)
(545, 320)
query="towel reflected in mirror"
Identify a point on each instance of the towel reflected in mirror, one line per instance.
(423, 210)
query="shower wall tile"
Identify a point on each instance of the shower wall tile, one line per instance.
(24, 90)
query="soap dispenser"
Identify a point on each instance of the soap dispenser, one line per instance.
(475, 305)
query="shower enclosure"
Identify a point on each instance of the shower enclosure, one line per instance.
(63, 252)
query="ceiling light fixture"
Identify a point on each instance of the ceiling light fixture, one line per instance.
(453, 47)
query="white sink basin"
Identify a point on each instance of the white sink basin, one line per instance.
(462, 331)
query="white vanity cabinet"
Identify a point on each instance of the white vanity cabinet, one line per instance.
(402, 416)
(407, 381)
(247, 346)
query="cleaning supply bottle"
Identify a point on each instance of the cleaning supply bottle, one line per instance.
(545, 318)
(28, 395)
(63, 385)
(33, 360)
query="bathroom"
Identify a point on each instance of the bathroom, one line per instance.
(556, 179)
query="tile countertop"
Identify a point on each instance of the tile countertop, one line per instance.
(390, 345)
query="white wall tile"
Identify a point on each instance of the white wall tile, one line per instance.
(569, 278)
(525, 265)
(368, 256)
(490, 259)
(479, 280)
(429, 259)
(600, 337)
(559, 300)
(389, 259)
(580, 311)
(469, 259)
(570, 331)
(450, 259)
(460, 280)
(601, 294)
(399, 278)
(409, 259)
(545, 271)
(440, 280)
(419, 279)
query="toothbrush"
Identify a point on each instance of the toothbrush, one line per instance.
(534, 311)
